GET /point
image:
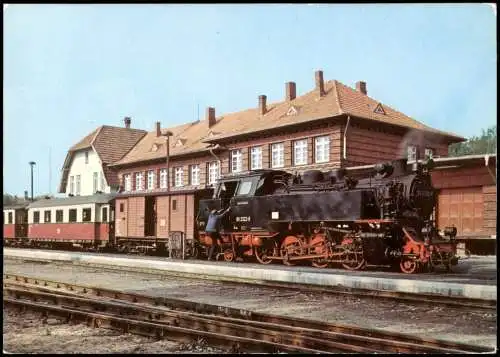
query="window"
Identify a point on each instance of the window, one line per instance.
(103, 182)
(46, 216)
(277, 155)
(195, 174)
(72, 185)
(244, 188)
(151, 180)
(122, 207)
(36, 217)
(429, 153)
(10, 217)
(139, 181)
(322, 146)
(95, 182)
(174, 205)
(178, 176)
(86, 214)
(300, 152)
(72, 215)
(59, 215)
(78, 183)
(104, 214)
(163, 178)
(236, 160)
(128, 182)
(86, 157)
(412, 153)
(213, 172)
(256, 158)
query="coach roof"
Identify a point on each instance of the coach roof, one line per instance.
(73, 201)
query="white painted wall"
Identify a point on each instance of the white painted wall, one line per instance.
(86, 172)
(96, 213)
(6, 216)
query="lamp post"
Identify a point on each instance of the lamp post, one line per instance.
(168, 134)
(32, 163)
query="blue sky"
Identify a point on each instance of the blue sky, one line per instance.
(71, 68)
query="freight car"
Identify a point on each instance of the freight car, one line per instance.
(332, 218)
(72, 222)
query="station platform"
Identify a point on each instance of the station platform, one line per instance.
(474, 277)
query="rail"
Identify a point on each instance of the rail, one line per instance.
(241, 330)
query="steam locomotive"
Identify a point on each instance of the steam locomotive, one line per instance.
(331, 218)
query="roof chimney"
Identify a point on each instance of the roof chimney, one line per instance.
(361, 87)
(320, 85)
(127, 122)
(210, 116)
(158, 129)
(262, 104)
(291, 91)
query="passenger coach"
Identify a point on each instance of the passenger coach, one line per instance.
(81, 221)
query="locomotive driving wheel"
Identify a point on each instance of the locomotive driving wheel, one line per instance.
(320, 248)
(263, 254)
(291, 247)
(354, 258)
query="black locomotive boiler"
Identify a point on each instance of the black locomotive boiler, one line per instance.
(327, 218)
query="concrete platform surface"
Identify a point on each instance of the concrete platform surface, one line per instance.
(472, 278)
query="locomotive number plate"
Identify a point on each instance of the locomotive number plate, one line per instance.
(243, 219)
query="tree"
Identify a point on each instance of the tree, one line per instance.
(484, 144)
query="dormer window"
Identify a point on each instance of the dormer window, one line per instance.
(379, 109)
(180, 142)
(292, 111)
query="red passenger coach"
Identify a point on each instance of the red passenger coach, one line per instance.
(81, 221)
(15, 223)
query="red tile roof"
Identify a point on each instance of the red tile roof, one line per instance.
(110, 143)
(338, 100)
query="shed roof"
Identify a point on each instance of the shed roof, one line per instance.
(338, 101)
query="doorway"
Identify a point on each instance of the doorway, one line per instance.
(150, 217)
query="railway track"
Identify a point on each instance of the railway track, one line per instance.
(414, 298)
(234, 329)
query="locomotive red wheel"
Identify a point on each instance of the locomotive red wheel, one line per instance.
(262, 255)
(291, 247)
(409, 266)
(357, 263)
(228, 255)
(354, 257)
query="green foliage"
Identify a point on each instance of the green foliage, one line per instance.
(486, 143)
(9, 199)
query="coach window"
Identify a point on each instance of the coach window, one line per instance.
(46, 216)
(36, 217)
(86, 212)
(10, 217)
(122, 206)
(72, 215)
(105, 214)
(174, 205)
(59, 215)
